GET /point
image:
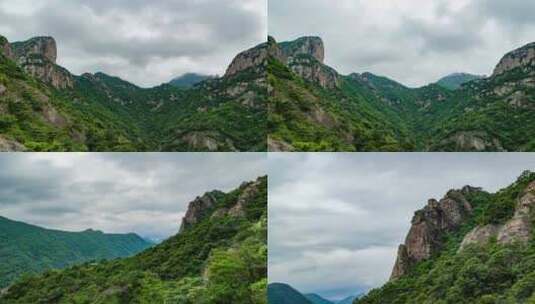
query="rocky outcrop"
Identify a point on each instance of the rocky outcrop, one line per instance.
(312, 46)
(517, 229)
(429, 225)
(252, 58)
(198, 209)
(7, 145)
(248, 193)
(37, 57)
(523, 57)
(305, 57)
(473, 141)
(5, 48)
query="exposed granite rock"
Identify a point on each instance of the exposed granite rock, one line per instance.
(7, 145)
(252, 58)
(312, 46)
(429, 225)
(305, 57)
(473, 141)
(517, 229)
(5, 48)
(198, 209)
(205, 141)
(248, 192)
(37, 57)
(523, 57)
(3, 89)
(277, 145)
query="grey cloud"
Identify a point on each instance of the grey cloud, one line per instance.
(146, 193)
(143, 41)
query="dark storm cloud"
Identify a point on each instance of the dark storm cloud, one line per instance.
(405, 39)
(143, 41)
(336, 219)
(144, 193)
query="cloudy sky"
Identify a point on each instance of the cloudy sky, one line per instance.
(414, 42)
(143, 193)
(145, 42)
(336, 220)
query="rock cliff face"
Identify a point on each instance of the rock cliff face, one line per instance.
(517, 229)
(198, 209)
(37, 57)
(305, 57)
(523, 57)
(252, 58)
(5, 48)
(429, 225)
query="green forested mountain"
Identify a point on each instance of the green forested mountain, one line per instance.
(279, 293)
(456, 80)
(470, 247)
(188, 80)
(43, 107)
(313, 108)
(26, 248)
(219, 256)
(317, 299)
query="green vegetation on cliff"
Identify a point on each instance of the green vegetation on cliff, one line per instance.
(490, 272)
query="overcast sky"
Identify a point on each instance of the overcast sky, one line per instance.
(145, 42)
(143, 193)
(336, 220)
(414, 42)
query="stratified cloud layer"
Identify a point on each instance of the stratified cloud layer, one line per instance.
(335, 219)
(146, 42)
(414, 42)
(143, 193)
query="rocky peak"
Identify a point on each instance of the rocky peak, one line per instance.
(523, 57)
(198, 209)
(312, 46)
(37, 56)
(40, 46)
(5, 48)
(517, 229)
(428, 226)
(252, 58)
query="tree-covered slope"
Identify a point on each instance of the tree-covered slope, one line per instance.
(26, 248)
(219, 256)
(313, 108)
(317, 299)
(45, 108)
(456, 80)
(471, 247)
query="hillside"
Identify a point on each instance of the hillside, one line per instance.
(26, 248)
(317, 299)
(314, 108)
(46, 108)
(219, 256)
(279, 293)
(456, 80)
(469, 247)
(188, 80)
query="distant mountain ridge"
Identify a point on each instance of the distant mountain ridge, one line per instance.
(188, 80)
(456, 80)
(28, 248)
(314, 108)
(280, 293)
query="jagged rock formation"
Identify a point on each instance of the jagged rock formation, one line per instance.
(5, 48)
(37, 56)
(252, 58)
(517, 229)
(429, 225)
(523, 57)
(305, 57)
(198, 209)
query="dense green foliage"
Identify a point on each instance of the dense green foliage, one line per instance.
(105, 113)
(491, 273)
(222, 259)
(365, 112)
(279, 293)
(25, 248)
